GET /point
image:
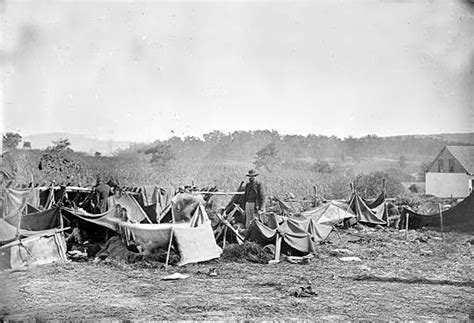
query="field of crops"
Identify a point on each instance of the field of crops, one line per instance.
(136, 170)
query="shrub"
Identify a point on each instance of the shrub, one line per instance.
(370, 185)
(413, 188)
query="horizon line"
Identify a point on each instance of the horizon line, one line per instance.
(91, 136)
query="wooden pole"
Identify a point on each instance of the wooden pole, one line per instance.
(406, 226)
(278, 247)
(225, 237)
(240, 239)
(20, 215)
(441, 221)
(169, 248)
(219, 193)
(172, 213)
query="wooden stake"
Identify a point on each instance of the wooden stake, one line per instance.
(278, 247)
(20, 215)
(61, 220)
(441, 221)
(406, 226)
(172, 213)
(225, 237)
(169, 249)
(240, 239)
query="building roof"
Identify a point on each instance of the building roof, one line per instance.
(464, 155)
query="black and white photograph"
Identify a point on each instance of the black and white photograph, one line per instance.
(198, 160)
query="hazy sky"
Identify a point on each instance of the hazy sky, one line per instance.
(146, 70)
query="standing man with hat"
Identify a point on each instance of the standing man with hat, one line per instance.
(254, 198)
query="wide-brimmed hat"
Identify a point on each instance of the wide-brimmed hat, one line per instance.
(252, 173)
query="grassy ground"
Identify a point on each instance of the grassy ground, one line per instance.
(396, 279)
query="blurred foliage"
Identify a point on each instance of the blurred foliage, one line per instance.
(267, 157)
(370, 185)
(322, 166)
(424, 167)
(161, 155)
(11, 140)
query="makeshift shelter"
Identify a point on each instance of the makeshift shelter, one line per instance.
(20, 247)
(326, 216)
(134, 211)
(298, 235)
(194, 240)
(373, 215)
(225, 224)
(106, 220)
(14, 200)
(460, 217)
(37, 249)
(293, 236)
(37, 221)
(152, 198)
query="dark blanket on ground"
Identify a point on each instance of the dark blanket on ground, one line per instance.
(116, 249)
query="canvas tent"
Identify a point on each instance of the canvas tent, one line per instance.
(104, 219)
(326, 216)
(20, 247)
(152, 198)
(109, 219)
(134, 210)
(374, 214)
(299, 235)
(39, 248)
(14, 200)
(459, 217)
(194, 240)
(37, 221)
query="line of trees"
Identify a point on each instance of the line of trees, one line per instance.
(243, 145)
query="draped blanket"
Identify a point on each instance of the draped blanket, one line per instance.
(459, 217)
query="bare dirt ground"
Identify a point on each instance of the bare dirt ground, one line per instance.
(395, 280)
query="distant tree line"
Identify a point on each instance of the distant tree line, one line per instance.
(244, 145)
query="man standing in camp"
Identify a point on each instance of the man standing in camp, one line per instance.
(102, 193)
(254, 198)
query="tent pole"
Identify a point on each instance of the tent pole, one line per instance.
(240, 239)
(20, 215)
(225, 237)
(406, 226)
(169, 249)
(441, 221)
(347, 210)
(278, 247)
(172, 213)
